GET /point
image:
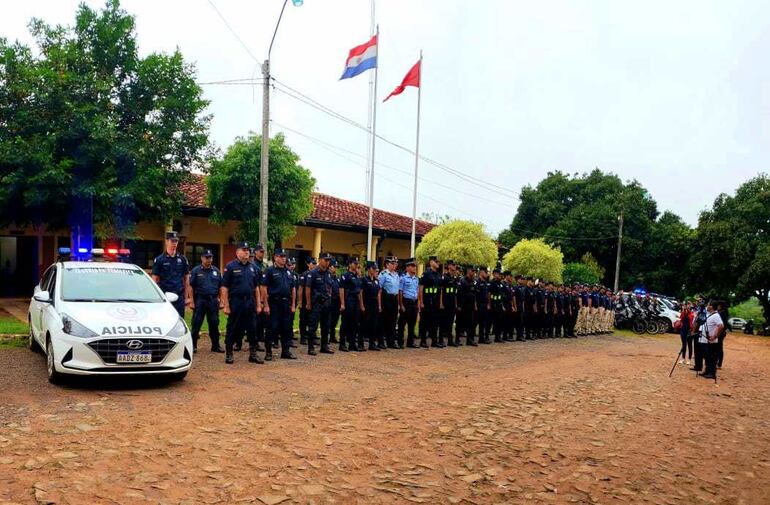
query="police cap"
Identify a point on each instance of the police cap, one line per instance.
(411, 261)
(292, 261)
(311, 261)
(391, 259)
(449, 262)
(496, 271)
(518, 276)
(207, 253)
(278, 252)
(333, 263)
(432, 258)
(507, 273)
(371, 264)
(325, 256)
(353, 260)
(242, 245)
(172, 235)
(483, 269)
(259, 247)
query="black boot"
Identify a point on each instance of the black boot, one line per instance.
(253, 358)
(423, 342)
(229, 354)
(268, 352)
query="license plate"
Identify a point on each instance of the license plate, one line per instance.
(134, 357)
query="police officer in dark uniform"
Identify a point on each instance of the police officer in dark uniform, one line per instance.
(262, 322)
(519, 291)
(483, 306)
(334, 310)
(428, 301)
(408, 294)
(574, 300)
(558, 318)
(318, 296)
(372, 298)
(467, 306)
(277, 291)
(352, 304)
(496, 296)
(240, 297)
(205, 282)
(304, 313)
(172, 273)
(530, 309)
(549, 304)
(292, 265)
(450, 284)
(509, 306)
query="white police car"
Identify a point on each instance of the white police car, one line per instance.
(106, 318)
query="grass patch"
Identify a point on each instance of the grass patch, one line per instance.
(13, 342)
(9, 325)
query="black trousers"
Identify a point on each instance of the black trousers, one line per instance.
(518, 321)
(263, 325)
(368, 327)
(481, 321)
(388, 318)
(407, 320)
(429, 320)
(334, 318)
(350, 321)
(281, 320)
(304, 319)
(465, 320)
(548, 324)
(711, 354)
(206, 307)
(721, 349)
(498, 321)
(319, 316)
(699, 355)
(447, 321)
(241, 321)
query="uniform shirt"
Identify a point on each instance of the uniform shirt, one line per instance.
(205, 281)
(351, 283)
(171, 271)
(335, 284)
(319, 283)
(407, 284)
(240, 279)
(530, 298)
(518, 293)
(549, 301)
(450, 285)
(594, 296)
(584, 298)
(482, 290)
(467, 292)
(431, 284)
(496, 292)
(301, 281)
(371, 288)
(389, 282)
(558, 300)
(540, 299)
(507, 295)
(278, 281)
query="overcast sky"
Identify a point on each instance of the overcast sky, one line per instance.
(673, 94)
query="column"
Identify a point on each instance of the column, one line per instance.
(317, 233)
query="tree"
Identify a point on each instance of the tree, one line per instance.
(579, 213)
(731, 257)
(579, 272)
(84, 120)
(465, 242)
(233, 188)
(536, 258)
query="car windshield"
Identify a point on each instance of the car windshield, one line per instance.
(105, 284)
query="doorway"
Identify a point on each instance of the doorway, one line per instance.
(18, 266)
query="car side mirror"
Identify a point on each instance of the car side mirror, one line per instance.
(43, 297)
(172, 297)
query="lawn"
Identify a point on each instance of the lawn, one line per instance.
(750, 309)
(9, 325)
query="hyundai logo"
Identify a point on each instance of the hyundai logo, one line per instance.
(134, 344)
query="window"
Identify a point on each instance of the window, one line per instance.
(108, 284)
(47, 278)
(193, 253)
(144, 252)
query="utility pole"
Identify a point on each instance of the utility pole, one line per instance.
(617, 260)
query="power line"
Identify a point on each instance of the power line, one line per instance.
(400, 170)
(243, 44)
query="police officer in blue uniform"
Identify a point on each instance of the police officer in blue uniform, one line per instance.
(240, 297)
(205, 282)
(429, 303)
(466, 322)
(304, 313)
(483, 306)
(334, 310)
(318, 295)
(389, 283)
(351, 306)
(279, 296)
(450, 284)
(496, 304)
(372, 298)
(408, 288)
(172, 273)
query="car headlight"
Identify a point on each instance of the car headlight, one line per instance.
(179, 329)
(74, 328)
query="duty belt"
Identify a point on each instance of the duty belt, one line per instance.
(450, 290)
(430, 291)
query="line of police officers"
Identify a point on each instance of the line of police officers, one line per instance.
(379, 309)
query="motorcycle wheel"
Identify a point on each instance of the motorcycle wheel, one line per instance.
(639, 326)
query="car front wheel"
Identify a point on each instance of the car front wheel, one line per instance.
(54, 377)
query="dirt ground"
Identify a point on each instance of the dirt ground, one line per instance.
(593, 420)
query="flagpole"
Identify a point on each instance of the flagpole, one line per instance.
(370, 107)
(371, 166)
(416, 160)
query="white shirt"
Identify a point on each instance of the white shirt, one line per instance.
(710, 327)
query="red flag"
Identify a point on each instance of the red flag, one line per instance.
(412, 78)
